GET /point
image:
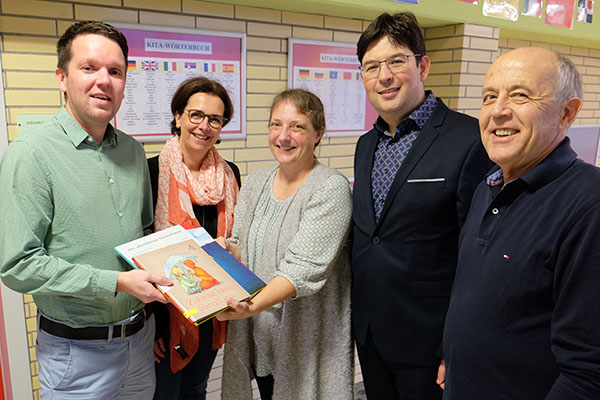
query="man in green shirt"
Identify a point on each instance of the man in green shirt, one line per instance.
(70, 191)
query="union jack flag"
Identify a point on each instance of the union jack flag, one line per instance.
(149, 65)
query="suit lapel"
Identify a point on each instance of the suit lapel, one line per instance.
(363, 198)
(423, 142)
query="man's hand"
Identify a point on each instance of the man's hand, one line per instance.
(441, 377)
(159, 349)
(237, 310)
(140, 284)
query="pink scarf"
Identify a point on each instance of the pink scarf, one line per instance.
(178, 189)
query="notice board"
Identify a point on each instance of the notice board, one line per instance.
(330, 70)
(160, 58)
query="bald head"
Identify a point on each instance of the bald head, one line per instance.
(557, 68)
(529, 99)
(542, 63)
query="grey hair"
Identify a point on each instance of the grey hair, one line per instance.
(569, 80)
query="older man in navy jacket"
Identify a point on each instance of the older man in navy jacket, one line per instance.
(524, 314)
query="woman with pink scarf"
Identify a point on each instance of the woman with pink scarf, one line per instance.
(192, 186)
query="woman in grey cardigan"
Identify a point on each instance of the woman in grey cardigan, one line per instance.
(291, 224)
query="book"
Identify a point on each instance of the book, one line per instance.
(204, 274)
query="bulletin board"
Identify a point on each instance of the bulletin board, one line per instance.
(330, 70)
(585, 140)
(160, 58)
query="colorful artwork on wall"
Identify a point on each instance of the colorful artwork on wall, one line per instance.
(532, 8)
(504, 9)
(585, 11)
(560, 13)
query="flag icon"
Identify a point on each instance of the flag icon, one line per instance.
(148, 65)
(190, 65)
(319, 75)
(347, 76)
(169, 66)
(304, 73)
(206, 67)
(228, 68)
(131, 65)
(332, 74)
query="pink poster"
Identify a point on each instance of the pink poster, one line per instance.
(560, 13)
(330, 70)
(159, 60)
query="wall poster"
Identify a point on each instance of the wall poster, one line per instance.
(533, 8)
(160, 58)
(330, 70)
(585, 11)
(503, 9)
(560, 13)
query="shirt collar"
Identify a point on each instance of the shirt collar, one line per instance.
(546, 171)
(419, 116)
(78, 135)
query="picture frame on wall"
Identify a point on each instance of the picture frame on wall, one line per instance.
(160, 59)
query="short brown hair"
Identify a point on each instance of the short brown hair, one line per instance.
(307, 103)
(401, 29)
(192, 86)
(63, 47)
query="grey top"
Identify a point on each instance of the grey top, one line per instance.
(270, 208)
(305, 341)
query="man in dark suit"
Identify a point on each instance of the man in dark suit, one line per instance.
(415, 173)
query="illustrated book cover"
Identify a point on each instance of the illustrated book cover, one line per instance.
(204, 274)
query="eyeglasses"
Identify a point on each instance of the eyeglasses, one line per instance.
(197, 116)
(395, 64)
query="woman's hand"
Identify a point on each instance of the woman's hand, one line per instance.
(159, 349)
(237, 310)
(277, 290)
(230, 247)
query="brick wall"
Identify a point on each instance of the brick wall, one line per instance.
(460, 57)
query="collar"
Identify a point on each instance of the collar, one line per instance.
(545, 172)
(78, 135)
(415, 121)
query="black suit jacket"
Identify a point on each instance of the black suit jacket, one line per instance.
(403, 266)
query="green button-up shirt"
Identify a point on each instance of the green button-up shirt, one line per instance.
(65, 203)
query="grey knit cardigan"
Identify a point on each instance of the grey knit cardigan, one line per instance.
(313, 352)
